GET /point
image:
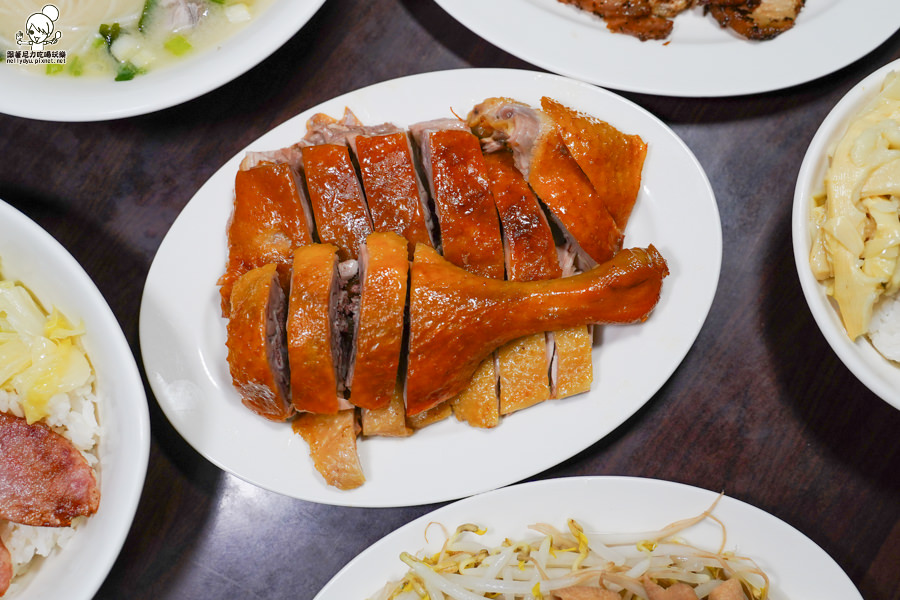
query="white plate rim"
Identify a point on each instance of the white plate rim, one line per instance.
(67, 99)
(179, 396)
(698, 60)
(86, 565)
(873, 370)
(633, 503)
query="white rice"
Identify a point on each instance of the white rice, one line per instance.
(74, 416)
(884, 329)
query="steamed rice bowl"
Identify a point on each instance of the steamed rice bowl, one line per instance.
(51, 382)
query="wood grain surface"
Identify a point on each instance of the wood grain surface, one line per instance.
(760, 407)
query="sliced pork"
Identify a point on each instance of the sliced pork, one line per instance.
(457, 319)
(394, 193)
(257, 355)
(44, 479)
(554, 175)
(336, 197)
(269, 219)
(384, 265)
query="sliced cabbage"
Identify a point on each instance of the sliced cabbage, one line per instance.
(40, 354)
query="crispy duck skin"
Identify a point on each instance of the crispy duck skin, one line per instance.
(611, 160)
(257, 356)
(384, 266)
(395, 195)
(311, 341)
(332, 447)
(541, 155)
(457, 319)
(44, 479)
(337, 200)
(268, 221)
(756, 19)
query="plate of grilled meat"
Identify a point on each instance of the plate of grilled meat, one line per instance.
(430, 287)
(686, 48)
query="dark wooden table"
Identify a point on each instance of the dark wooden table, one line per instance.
(760, 406)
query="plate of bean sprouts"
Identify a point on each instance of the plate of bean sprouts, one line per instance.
(597, 538)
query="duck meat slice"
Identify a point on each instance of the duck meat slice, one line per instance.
(374, 366)
(269, 219)
(257, 355)
(470, 236)
(530, 251)
(44, 480)
(394, 192)
(756, 19)
(457, 319)
(337, 199)
(611, 160)
(316, 326)
(551, 171)
(332, 447)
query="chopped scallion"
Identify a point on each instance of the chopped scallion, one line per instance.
(177, 45)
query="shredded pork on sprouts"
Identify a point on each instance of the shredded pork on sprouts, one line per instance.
(541, 568)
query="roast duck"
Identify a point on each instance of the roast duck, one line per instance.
(380, 279)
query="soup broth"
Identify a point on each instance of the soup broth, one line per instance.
(116, 38)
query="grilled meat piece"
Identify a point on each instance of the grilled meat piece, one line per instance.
(44, 479)
(614, 8)
(257, 356)
(270, 218)
(457, 318)
(649, 27)
(756, 19)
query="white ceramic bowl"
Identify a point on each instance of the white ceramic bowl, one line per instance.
(878, 374)
(31, 255)
(37, 96)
